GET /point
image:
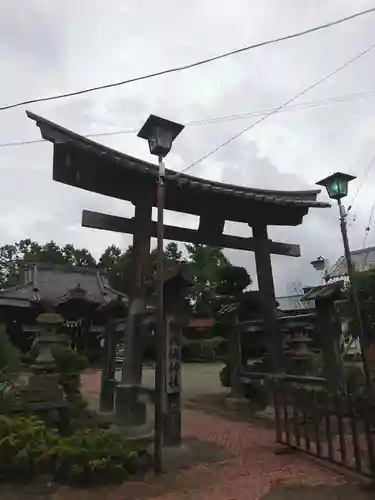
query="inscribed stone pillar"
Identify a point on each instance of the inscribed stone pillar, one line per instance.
(267, 294)
(108, 382)
(172, 423)
(235, 360)
(174, 292)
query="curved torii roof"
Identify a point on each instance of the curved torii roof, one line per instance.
(83, 163)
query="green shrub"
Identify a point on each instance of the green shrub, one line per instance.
(10, 367)
(7, 397)
(69, 367)
(10, 360)
(225, 376)
(24, 442)
(28, 449)
(92, 457)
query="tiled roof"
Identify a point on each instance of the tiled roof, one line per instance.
(362, 259)
(53, 283)
(293, 302)
(323, 291)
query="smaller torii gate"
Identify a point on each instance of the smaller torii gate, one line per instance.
(82, 163)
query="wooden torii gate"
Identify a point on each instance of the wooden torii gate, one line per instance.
(82, 163)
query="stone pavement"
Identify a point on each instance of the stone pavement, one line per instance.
(254, 472)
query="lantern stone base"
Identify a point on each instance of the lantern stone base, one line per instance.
(43, 387)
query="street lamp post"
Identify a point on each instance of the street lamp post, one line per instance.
(160, 134)
(337, 188)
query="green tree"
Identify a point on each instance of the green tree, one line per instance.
(365, 283)
(204, 264)
(77, 256)
(118, 265)
(172, 253)
(14, 257)
(232, 281)
(213, 277)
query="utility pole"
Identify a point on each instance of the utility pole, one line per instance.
(160, 375)
(160, 134)
(354, 296)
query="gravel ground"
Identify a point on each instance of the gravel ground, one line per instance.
(197, 379)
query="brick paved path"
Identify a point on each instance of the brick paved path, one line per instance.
(255, 472)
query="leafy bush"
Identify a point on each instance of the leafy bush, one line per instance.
(24, 442)
(28, 449)
(10, 367)
(69, 366)
(10, 361)
(225, 376)
(93, 457)
(7, 397)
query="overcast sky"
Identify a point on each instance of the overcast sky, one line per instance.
(55, 47)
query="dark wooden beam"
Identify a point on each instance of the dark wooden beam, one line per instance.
(211, 224)
(267, 294)
(141, 245)
(106, 222)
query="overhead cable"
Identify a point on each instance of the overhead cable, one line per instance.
(190, 65)
(286, 103)
(222, 119)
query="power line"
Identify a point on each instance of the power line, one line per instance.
(367, 230)
(368, 227)
(99, 134)
(367, 171)
(321, 80)
(225, 118)
(293, 107)
(191, 65)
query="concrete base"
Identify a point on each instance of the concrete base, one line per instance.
(105, 419)
(236, 403)
(130, 416)
(268, 413)
(130, 412)
(140, 434)
(174, 457)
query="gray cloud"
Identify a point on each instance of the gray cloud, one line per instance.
(49, 48)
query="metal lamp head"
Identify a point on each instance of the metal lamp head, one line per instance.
(318, 264)
(160, 134)
(336, 185)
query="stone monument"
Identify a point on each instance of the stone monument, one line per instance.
(176, 454)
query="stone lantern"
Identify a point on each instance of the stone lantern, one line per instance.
(43, 384)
